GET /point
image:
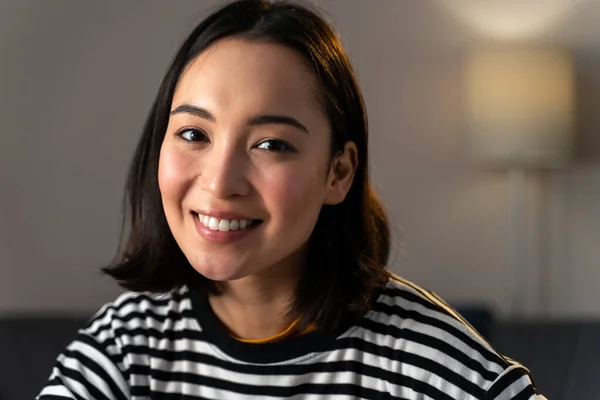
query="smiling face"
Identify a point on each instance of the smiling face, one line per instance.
(247, 141)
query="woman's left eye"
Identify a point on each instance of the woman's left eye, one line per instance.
(275, 145)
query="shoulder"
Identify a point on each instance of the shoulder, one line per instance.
(413, 307)
(434, 340)
(405, 297)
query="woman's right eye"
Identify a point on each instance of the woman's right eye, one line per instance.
(192, 135)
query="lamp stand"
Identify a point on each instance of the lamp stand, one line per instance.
(517, 241)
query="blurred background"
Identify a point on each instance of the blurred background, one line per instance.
(76, 83)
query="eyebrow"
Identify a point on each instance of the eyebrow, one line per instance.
(263, 119)
(197, 111)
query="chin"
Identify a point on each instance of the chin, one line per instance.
(221, 273)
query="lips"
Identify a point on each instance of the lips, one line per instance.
(222, 228)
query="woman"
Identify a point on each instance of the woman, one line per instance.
(255, 263)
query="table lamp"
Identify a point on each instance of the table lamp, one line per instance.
(520, 109)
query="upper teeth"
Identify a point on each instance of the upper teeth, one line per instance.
(223, 225)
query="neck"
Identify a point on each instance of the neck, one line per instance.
(257, 307)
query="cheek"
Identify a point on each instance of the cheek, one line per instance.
(171, 174)
(298, 193)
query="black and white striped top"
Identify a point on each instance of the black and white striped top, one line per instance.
(411, 345)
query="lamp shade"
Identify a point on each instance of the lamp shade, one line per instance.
(520, 107)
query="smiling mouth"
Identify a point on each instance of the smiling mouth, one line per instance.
(226, 225)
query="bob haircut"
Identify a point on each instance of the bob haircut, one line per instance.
(349, 247)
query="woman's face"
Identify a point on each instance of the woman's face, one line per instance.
(245, 164)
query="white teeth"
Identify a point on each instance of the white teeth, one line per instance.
(224, 225)
(213, 224)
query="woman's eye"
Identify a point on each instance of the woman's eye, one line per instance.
(275, 145)
(193, 135)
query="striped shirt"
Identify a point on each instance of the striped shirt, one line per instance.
(410, 345)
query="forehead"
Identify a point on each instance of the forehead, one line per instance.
(251, 74)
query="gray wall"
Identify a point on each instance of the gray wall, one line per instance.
(76, 82)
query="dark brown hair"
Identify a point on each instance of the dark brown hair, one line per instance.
(349, 246)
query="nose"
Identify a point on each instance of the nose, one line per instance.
(224, 170)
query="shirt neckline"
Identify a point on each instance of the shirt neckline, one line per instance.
(261, 353)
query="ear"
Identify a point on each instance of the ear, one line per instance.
(341, 174)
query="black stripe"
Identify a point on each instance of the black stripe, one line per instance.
(525, 394)
(431, 342)
(142, 391)
(504, 382)
(169, 396)
(152, 333)
(91, 365)
(438, 323)
(53, 397)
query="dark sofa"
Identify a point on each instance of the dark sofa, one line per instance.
(564, 357)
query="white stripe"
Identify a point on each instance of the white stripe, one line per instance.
(56, 391)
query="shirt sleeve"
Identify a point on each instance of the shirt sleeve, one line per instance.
(87, 369)
(514, 383)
